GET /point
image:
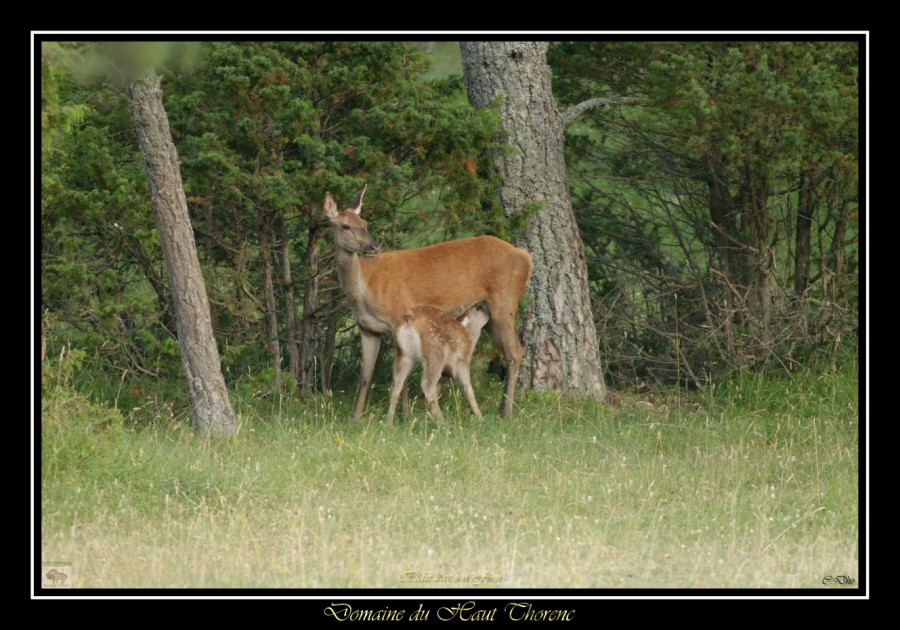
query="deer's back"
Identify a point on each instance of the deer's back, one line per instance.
(449, 276)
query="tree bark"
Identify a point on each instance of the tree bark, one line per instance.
(806, 203)
(721, 213)
(836, 259)
(272, 341)
(327, 353)
(309, 326)
(289, 306)
(562, 352)
(758, 255)
(211, 411)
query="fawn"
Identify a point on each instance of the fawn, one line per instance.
(443, 344)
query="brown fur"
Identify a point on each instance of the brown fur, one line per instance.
(451, 276)
(444, 345)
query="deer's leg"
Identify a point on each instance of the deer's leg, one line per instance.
(370, 345)
(430, 377)
(402, 365)
(404, 400)
(466, 383)
(502, 331)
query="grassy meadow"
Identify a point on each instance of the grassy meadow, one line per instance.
(752, 484)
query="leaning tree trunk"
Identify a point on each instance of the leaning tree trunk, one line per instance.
(211, 410)
(561, 341)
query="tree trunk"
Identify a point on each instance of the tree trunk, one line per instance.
(721, 213)
(806, 204)
(836, 259)
(289, 307)
(309, 327)
(272, 342)
(561, 341)
(327, 353)
(725, 235)
(211, 411)
(214, 311)
(758, 256)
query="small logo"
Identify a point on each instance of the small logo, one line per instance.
(56, 575)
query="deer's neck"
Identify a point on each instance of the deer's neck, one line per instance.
(367, 314)
(350, 277)
(472, 341)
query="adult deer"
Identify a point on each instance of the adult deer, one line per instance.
(451, 276)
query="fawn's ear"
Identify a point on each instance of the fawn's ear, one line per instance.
(331, 210)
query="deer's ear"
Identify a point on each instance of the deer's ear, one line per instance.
(357, 202)
(331, 210)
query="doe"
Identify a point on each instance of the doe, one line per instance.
(451, 276)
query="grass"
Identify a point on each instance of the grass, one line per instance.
(446, 59)
(754, 486)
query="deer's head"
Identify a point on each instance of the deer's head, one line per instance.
(350, 231)
(474, 320)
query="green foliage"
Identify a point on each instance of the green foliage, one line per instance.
(283, 122)
(76, 434)
(58, 115)
(689, 206)
(751, 482)
(97, 230)
(57, 371)
(761, 106)
(263, 129)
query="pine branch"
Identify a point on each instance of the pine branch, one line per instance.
(568, 116)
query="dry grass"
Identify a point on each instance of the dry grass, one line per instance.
(757, 488)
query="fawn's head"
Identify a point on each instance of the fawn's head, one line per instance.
(474, 320)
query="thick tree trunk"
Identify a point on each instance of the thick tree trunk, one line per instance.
(309, 327)
(211, 410)
(272, 341)
(289, 306)
(561, 341)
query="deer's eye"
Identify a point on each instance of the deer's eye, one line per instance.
(346, 227)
